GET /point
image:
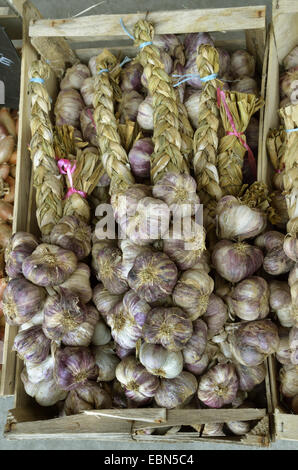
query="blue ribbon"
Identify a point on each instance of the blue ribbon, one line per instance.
(292, 130)
(124, 61)
(102, 71)
(143, 44)
(209, 77)
(37, 80)
(185, 77)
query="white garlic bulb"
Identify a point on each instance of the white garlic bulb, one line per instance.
(106, 361)
(160, 361)
(102, 334)
(46, 392)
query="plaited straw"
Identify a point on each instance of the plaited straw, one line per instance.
(47, 180)
(275, 143)
(114, 157)
(290, 178)
(205, 142)
(167, 156)
(231, 151)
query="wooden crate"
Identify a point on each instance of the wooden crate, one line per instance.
(283, 36)
(28, 420)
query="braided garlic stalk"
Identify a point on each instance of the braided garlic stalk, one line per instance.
(206, 139)
(167, 156)
(47, 180)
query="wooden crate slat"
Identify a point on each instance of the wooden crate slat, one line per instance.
(150, 415)
(285, 21)
(165, 22)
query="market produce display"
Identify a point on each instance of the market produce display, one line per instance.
(153, 317)
(8, 159)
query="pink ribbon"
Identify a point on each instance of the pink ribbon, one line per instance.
(221, 97)
(66, 168)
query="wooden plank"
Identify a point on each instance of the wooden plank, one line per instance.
(17, 5)
(286, 426)
(285, 20)
(165, 22)
(285, 6)
(150, 415)
(5, 11)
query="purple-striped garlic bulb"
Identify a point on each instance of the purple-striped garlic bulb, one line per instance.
(32, 345)
(192, 103)
(73, 234)
(104, 300)
(139, 385)
(21, 300)
(21, 245)
(160, 361)
(276, 262)
(216, 315)
(170, 327)
(270, 240)
(74, 77)
(106, 361)
(88, 126)
(68, 107)
(281, 303)
(246, 85)
(198, 367)
(110, 270)
(131, 77)
(284, 352)
(289, 380)
(140, 157)
(249, 299)
(87, 91)
(176, 392)
(218, 386)
(46, 392)
(196, 345)
(78, 283)
(145, 114)
(129, 106)
(290, 247)
(249, 377)
(293, 344)
(37, 372)
(89, 396)
(243, 64)
(73, 367)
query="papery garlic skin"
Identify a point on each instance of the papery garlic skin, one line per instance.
(87, 90)
(131, 77)
(49, 265)
(21, 245)
(68, 107)
(21, 300)
(283, 354)
(37, 319)
(270, 240)
(123, 352)
(89, 396)
(239, 222)
(160, 361)
(88, 127)
(192, 105)
(293, 344)
(127, 320)
(32, 345)
(137, 381)
(104, 300)
(198, 367)
(242, 64)
(236, 261)
(130, 251)
(111, 270)
(145, 114)
(213, 429)
(171, 327)
(74, 77)
(249, 377)
(276, 262)
(192, 292)
(250, 299)
(46, 392)
(281, 302)
(289, 380)
(41, 371)
(216, 315)
(126, 205)
(153, 276)
(290, 247)
(102, 334)
(253, 341)
(176, 392)
(72, 234)
(106, 361)
(196, 345)
(73, 367)
(246, 85)
(239, 428)
(218, 386)
(78, 283)
(139, 157)
(129, 105)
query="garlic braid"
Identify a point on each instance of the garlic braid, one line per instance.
(206, 139)
(47, 180)
(114, 157)
(167, 156)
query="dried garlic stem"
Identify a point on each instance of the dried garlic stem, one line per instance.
(231, 151)
(276, 140)
(47, 180)
(114, 157)
(205, 139)
(167, 156)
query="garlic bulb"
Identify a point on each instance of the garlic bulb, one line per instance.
(291, 60)
(106, 361)
(131, 77)
(178, 190)
(87, 90)
(21, 300)
(68, 320)
(186, 249)
(123, 352)
(293, 344)
(153, 276)
(236, 261)
(239, 222)
(176, 392)
(218, 386)
(160, 361)
(216, 315)
(288, 83)
(276, 262)
(119, 398)
(92, 65)
(246, 85)
(90, 396)
(104, 300)
(129, 105)
(192, 104)
(281, 303)
(78, 283)
(290, 247)
(139, 157)
(111, 270)
(249, 299)
(145, 114)
(192, 292)
(283, 354)
(32, 345)
(49, 265)
(127, 319)
(196, 345)
(40, 371)
(198, 367)
(139, 385)
(242, 64)
(289, 380)
(74, 77)
(224, 61)
(68, 107)
(46, 392)
(249, 377)
(253, 341)
(88, 126)
(37, 319)
(127, 204)
(72, 234)
(213, 429)
(270, 240)
(19, 247)
(73, 367)
(171, 327)
(130, 251)
(239, 428)
(102, 334)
